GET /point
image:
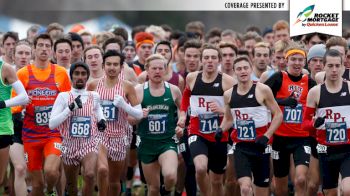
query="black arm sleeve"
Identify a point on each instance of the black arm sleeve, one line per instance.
(275, 82)
(311, 83)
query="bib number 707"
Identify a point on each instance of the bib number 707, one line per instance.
(293, 115)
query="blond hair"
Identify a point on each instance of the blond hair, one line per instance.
(155, 57)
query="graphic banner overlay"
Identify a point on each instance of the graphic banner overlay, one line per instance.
(315, 16)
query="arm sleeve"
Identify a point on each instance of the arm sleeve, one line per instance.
(185, 102)
(135, 111)
(21, 98)
(275, 82)
(311, 83)
(307, 124)
(60, 111)
(97, 107)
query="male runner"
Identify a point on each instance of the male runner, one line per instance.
(204, 95)
(157, 150)
(115, 94)
(246, 107)
(77, 114)
(290, 89)
(42, 145)
(330, 101)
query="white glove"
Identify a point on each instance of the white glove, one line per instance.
(118, 101)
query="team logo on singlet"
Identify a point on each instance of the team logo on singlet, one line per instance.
(42, 92)
(296, 90)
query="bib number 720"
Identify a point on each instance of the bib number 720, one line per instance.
(336, 132)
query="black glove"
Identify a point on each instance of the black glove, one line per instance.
(261, 143)
(2, 104)
(289, 101)
(218, 135)
(101, 125)
(76, 104)
(319, 121)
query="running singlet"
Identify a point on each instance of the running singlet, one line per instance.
(292, 117)
(81, 123)
(6, 122)
(43, 94)
(117, 123)
(250, 118)
(160, 122)
(203, 121)
(336, 108)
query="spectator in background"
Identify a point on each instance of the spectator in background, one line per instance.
(32, 32)
(158, 33)
(315, 38)
(86, 36)
(196, 27)
(129, 52)
(102, 37)
(55, 30)
(213, 36)
(281, 30)
(268, 36)
(77, 47)
(137, 29)
(114, 43)
(229, 36)
(8, 42)
(249, 40)
(252, 28)
(121, 32)
(63, 52)
(174, 38)
(168, 30)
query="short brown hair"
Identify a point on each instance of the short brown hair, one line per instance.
(337, 41)
(228, 45)
(210, 46)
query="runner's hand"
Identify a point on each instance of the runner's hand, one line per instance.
(179, 132)
(319, 121)
(218, 135)
(101, 125)
(118, 101)
(76, 104)
(289, 101)
(261, 143)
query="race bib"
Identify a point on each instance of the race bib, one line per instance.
(80, 126)
(109, 110)
(293, 115)
(157, 123)
(336, 132)
(208, 123)
(42, 115)
(246, 130)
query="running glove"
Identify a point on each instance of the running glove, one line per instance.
(218, 135)
(289, 101)
(2, 104)
(101, 125)
(76, 104)
(319, 121)
(261, 143)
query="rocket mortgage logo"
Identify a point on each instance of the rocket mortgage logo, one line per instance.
(309, 18)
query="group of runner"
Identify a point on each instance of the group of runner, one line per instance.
(221, 113)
